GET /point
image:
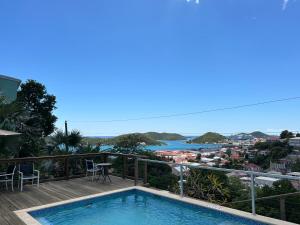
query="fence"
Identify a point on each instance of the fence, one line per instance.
(252, 175)
(60, 167)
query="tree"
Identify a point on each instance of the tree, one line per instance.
(59, 141)
(39, 104)
(130, 143)
(286, 134)
(14, 117)
(74, 138)
(10, 115)
(298, 135)
(207, 185)
(32, 115)
(296, 166)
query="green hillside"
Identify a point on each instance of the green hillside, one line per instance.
(143, 138)
(164, 136)
(258, 134)
(209, 137)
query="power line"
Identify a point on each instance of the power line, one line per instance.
(193, 113)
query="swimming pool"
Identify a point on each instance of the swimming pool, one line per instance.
(135, 206)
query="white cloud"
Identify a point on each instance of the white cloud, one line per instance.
(284, 4)
(196, 1)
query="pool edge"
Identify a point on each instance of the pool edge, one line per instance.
(24, 215)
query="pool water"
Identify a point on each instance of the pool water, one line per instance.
(134, 207)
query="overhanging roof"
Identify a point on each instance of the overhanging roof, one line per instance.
(8, 133)
(10, 78)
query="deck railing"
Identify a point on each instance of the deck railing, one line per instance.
(129, 166)
(60, 167)
(252, 175)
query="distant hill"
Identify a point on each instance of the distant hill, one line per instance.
(241, 137)
(164, 136)
(209, 137)
(143, 138)
(248, 136)
(258, 134)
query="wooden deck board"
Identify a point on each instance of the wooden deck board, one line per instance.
(50, 192)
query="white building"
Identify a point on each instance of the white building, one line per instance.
(295, 142)
(9, 87)
(262, 181)
(295, 174)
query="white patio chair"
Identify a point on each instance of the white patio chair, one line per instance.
(8, 176)
(27, 172)
(91, 168)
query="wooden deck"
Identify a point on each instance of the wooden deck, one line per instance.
(50, 192)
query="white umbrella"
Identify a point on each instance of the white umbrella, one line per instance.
(5, 133)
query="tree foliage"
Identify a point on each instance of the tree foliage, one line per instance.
(39, 104)
(207, 185)
(60, 140)
(286, 134)
(132, 143)
(277, 150)
(296, 166)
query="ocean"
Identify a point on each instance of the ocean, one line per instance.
(175, 145)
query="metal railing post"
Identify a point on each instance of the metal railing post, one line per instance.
(253, 194)
(67, 173)
(125, 169)
(282, 209)
(181, 181)
(136, 171)
(145, 172)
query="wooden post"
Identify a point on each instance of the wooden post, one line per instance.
(66, 134)
(145, 172)
(67, 168)
(105, 158)
(282, 209)
(136, 171)
(124, 172)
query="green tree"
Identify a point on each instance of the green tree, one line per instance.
(33, 117)
(60, 140)
(207, 185)
(286, 134)
(74, 138)
(296, 166)
(40, 105)
(130, 143)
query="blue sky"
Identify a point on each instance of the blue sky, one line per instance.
(122, 59)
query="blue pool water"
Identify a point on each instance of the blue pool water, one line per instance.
(134, 207)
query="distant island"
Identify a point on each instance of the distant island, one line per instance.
(209, 137)
(258, 134)
(248, 136)
(164, 136)
(145, 139)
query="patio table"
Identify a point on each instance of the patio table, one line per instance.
(104, 168)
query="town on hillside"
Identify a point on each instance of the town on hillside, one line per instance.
(257, 152)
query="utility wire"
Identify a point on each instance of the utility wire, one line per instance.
(193, 113)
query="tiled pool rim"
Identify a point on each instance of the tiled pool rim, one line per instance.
(29, 220)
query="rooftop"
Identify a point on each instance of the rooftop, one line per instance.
(10, 78)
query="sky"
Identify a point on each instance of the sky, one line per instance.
(110, 60)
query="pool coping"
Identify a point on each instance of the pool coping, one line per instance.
(24, 215)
